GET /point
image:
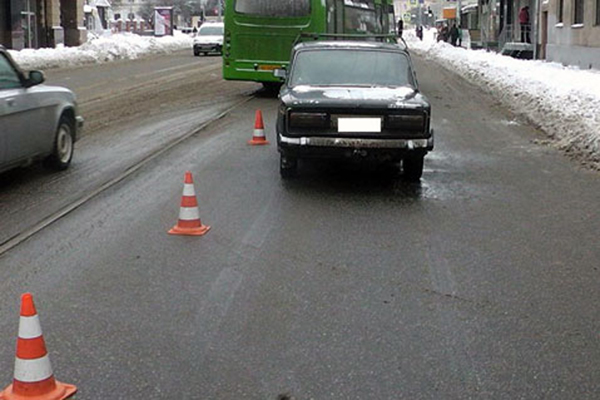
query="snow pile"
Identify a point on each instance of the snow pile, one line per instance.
(100, 49)
(563, 101)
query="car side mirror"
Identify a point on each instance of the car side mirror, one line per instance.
(280, 73)
(35, 78)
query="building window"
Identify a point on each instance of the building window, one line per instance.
(559, 12)
(578, 17)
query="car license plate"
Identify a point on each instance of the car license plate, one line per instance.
(359, 124)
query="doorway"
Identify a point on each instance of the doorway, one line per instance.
(544, 38)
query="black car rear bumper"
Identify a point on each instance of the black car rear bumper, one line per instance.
(338, 147)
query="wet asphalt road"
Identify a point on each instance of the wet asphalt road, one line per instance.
(346, 283)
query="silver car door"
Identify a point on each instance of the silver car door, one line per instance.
(10, 85)
(20, 115)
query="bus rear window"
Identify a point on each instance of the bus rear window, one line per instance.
(273, 8)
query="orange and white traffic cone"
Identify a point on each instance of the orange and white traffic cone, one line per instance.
(189, 218)
(258, 137)
(33, 378)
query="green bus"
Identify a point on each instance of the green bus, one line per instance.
(259, 34)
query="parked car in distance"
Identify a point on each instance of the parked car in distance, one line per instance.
(209, 38)
(352, 99)
(36, 121)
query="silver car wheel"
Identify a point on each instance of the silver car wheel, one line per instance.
(64, 143)
(62, 152)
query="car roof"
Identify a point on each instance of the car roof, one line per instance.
(347, 44)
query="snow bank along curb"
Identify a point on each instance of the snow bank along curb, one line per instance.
(103, 49)
(563, 101)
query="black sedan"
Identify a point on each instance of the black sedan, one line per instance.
(352, 99)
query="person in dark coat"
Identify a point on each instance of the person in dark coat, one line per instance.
(453, 35)
(524, 24)
(443, 33)
(419, 31)
(400, 27)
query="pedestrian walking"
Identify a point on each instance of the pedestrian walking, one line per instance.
(419, 32)
(453, 35)
(400, 27)
(524, 24)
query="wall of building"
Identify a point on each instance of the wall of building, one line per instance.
(584, 57)
(128, 7)
(52, 22)
(569, 43)
(565, 33)
(4, 23)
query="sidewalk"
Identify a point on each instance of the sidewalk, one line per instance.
(104, 49)
(564, 102)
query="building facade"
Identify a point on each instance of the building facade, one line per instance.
(570, 32)
(128, 9)
(41, 23)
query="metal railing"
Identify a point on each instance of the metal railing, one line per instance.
(511, 33)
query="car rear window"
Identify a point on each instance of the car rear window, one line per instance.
(273, 8)
(211, 30)
(351, 67)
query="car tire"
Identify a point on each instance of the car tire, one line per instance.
(271, 88)
(288, 167)
(205, 53)
(62, 151)
(412, 167)
(196, 53)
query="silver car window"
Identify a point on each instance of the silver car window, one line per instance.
(9, 79)
(211, 31)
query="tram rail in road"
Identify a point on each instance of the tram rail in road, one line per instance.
(31, 231)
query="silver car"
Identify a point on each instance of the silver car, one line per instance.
(37, 122)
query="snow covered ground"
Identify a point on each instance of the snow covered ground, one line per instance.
(562, 101)
(101, 49)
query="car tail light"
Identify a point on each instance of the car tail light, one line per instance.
(410, 122)
(309, 120)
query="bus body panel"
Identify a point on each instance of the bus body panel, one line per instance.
(255, 45)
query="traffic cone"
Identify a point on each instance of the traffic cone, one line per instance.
(258, 137)
(189, 217)
(33, 378)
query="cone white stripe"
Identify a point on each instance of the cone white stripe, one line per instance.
(188, 189)
(33, 370)
(189, 213)
(29, 327)
(259, 133)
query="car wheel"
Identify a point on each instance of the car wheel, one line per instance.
(271, 87)
(412, 167)
(205, 53)
(287, 167)
(62, 153)
(196, 53)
